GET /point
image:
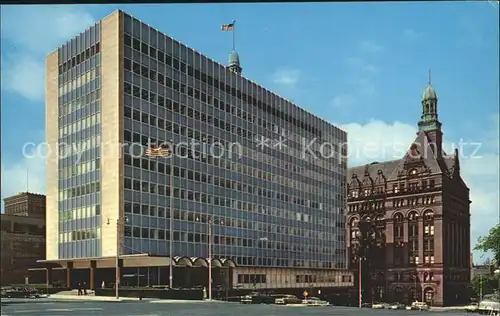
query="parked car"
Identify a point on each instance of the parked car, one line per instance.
(398, 306)
(472, 307)
(419, 306)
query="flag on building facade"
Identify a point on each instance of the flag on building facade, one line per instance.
(156, 151)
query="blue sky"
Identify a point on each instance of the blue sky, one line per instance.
(362, 66)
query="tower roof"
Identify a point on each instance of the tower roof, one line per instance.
(234, 58)
(429, 93)
(234, 62)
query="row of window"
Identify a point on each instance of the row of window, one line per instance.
(176, 107)
(428, 230)
(80, 169)
(209, 179)
(89, 188)
(376, 205)
(252, 278)
(71, 106)
(195, 217)
(82, 234)
(76, 149)
(414, 201)
(397, 188)
(161, 234)
(410, 276)
(80, 213)
(79, 58)
(145, 49)
(78, 81)
(202, 197)
(205, 155)
(372, 205)
(81, 124)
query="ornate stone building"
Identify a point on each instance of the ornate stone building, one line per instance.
(420, 208)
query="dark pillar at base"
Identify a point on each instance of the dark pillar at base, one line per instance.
(92, 274)
(69, 267)
(118, 272)
(48, 276)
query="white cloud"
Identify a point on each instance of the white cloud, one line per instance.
(370, 46)
(31, 33)
(286, 76)
(379, 141)
(411, 34)
(25, 75)
(360, 65)
(344, 100)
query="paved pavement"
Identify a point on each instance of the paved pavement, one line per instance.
(52, 307)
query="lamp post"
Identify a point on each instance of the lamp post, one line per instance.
(160, 152)
(209, 259)
(360, 287)
(480, 287)
(497, 273)
(119, 222)
(170, 224)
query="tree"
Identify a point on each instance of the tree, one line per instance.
(491, 242)
(489, 283)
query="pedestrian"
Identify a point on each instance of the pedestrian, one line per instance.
(84, 288)
(79, 286)
(103, 285)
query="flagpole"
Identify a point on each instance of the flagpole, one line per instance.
(234, 33)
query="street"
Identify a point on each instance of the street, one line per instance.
(46, 307)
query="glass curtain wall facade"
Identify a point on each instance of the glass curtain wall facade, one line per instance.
(269, 207)
(79, 146)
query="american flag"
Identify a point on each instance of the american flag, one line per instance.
(227, 27)
(156, 151)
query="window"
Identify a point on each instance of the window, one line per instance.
(127, 40)
(127, 88)
(127, 64)
(144, 48)
(136, 44)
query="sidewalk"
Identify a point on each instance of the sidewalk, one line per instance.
(165, 301)
(72, 296)
(91, 298)
(447, 308)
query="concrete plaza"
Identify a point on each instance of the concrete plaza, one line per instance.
(95, 307)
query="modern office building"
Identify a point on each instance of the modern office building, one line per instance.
(276, 218)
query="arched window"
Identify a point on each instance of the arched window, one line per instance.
(379, 220)
(398, 217)
(354, 222)
(412, 216)
(429, 295)
(428, 215)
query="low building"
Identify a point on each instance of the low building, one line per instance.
(23, 237)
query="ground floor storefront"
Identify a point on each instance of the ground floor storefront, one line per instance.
(156, 272)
